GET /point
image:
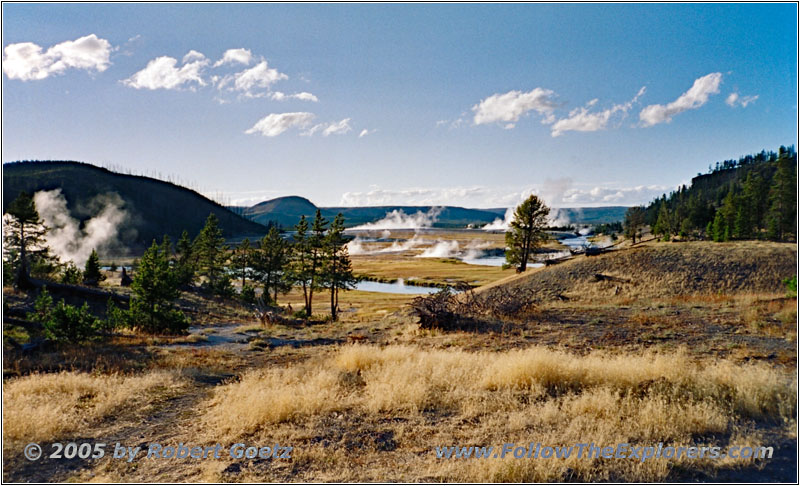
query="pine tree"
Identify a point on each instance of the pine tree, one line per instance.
(155, 287)
(186, 265)
(270, 264)
(91, 272)
(634, 221)
(242, 261)
(212, 256)
(526, 231)
(316, 246)
(300, 267)
(338, 271)
(24, 242)
(718, 227)
(781, 218)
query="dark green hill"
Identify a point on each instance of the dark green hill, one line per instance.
(155, 207)
(283, 211)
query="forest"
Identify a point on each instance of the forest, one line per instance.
(754, 197)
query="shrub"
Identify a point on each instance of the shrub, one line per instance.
(71, 275)
(64, 322)
(116, 318)
(791, 286)
(248, 294)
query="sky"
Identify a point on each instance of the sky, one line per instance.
(475, 105)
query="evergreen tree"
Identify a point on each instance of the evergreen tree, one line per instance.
(242, 261)
(270, 264)
(526, 231)
(338, 271)
(300, 264)
(212, 256)
(718, 227)
(155, 287)
(781, 218)
(186, 264)
(316, 246)
(634, 221)
(91, 272)
(24, 242)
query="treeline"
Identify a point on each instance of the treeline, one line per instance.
(752, 198)
(315, 259)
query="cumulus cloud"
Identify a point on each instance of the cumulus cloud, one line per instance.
(332, 128)
(582, 120)
(163, 73)
(235, 56)
(26, 61)
(692, 99)
(254, 82)
(303, 96)
(509, 107)
(274, 124)
(366, 132)
(733, 100)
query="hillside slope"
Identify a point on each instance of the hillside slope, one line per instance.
(664, 269)
(155, 207)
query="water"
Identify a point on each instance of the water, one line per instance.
(575, 241)
(489, 261)
(394, 288)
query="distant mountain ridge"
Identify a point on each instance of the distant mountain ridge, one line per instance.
(155, 207)
(286, 211)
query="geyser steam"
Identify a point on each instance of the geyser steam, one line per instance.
(398, 219)
(66, 238)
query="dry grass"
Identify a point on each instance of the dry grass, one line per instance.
(552, 396)
(47, 406)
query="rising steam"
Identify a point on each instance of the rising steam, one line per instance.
(397, 219)
(66, 238)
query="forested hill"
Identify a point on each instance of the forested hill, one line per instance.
(752, 197)
(155, 207)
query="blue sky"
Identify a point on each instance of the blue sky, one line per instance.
(472, 105)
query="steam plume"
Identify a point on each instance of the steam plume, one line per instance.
(398, 219)
(65, 236)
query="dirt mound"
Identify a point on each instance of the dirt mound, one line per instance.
(666, 269)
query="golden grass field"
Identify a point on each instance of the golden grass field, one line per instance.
(655, 356)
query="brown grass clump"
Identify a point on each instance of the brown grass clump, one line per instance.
(553, 397)
(41, 407)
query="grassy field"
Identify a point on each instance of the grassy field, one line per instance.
(652, 356)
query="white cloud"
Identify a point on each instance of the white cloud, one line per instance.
(193, 55)
(163, 73)
(239, 56)
(694, 98)
(581, 120)
(274, 124)
(509, 107)
(303, 96)
(733, 100)
(26, 61)
(366, 132)
(254, 82)
(337, 128)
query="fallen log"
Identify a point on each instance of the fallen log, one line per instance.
(600, 277)
(79, 291)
